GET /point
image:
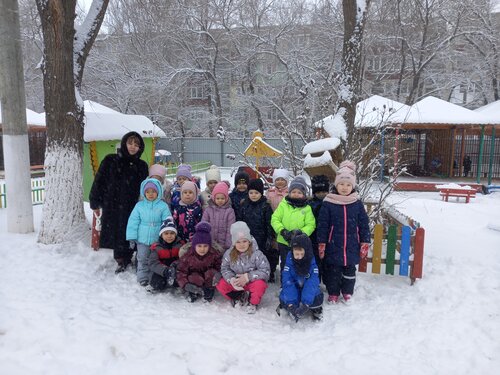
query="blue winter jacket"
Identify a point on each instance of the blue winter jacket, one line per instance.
(342, 227)
(145, 220)
(295, 288)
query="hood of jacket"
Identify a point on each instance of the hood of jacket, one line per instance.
(158, 186)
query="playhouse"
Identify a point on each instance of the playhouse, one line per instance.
(104, 129)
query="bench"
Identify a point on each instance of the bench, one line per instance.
(459, 193)
(401, 247)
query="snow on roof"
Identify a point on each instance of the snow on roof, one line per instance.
(491, 110)
(104, 124)
(321, 145)
(377, 110)
(162, 153)
(32, 118)
(312, 162)
(432, 110)
(334, 125)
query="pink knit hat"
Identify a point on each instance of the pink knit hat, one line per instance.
(346, 173)
(157, 170)
(190, 185)
(220, 188)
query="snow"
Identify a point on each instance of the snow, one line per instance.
(321, 145)
(65, 311)
(334, 125)
(103, 124)
(318, 161)
(32, 118)
(432, 110)
(454, 186)
(377, 110)
(492, 110)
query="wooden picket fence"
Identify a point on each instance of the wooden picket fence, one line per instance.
(37, 192)
(400, 246)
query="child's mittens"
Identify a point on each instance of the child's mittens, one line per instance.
(287, 235)
(321, 250)
(242, 279)
(216, 279)
(364, 250)
(235, 284)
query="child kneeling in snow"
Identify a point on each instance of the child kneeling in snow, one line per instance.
(163, 258)
(199, 269)
(300, 290)
(244, 269)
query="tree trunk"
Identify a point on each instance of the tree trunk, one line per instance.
(350, 74)
(63, 208)
(15, 131)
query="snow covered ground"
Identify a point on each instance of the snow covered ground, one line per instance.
(64, 311)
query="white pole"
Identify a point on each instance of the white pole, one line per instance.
(14, 128)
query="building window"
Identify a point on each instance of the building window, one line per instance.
(272, 114)
(195, 92)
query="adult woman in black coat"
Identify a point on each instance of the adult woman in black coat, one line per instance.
(116, 190)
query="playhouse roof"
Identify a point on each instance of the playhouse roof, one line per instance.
(320, 146)
(104, 124)
(260, 148)
(432, 110)
(32, 118)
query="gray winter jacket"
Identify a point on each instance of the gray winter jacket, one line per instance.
(257, 265)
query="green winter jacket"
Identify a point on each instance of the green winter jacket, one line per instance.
(288, 217)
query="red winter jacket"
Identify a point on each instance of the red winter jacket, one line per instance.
(163, 255)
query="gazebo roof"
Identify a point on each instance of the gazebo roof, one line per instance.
(491, 110)
(433, 111)
(377, 110)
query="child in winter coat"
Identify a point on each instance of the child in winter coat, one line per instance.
(293, 216)
(114, 193)
(244, 269)
(163, 258)
(343, 234)
(300, 290)
(256, 212)
(276, 193)
(199, 269)
(188, 212)
(144, 224)
(220, 215)
(159, 172)
(320, 186)
(240, 191)
(183, 174)
(212, 177)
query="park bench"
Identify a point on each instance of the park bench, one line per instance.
(458, 193)
(400, 247)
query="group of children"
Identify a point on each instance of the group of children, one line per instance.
(233, 242)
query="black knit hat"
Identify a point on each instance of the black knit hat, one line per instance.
(241, 175)
(320, 183)
(256, 184)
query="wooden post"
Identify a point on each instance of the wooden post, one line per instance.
(462, 154)
(492, 152)
(453, 141)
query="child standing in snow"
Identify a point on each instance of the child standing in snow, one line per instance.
(256, 212)
(188, 212)
(300, 290)
(244, 270)
(343, 234)
(212, 177)
(220, 215)
(240, 191)
(199, 269)
(320, 186)
(144, 224)
(183, 174)
(114, 193)
(292, 217)
(276, 193)
(163, 257)
(159, 172)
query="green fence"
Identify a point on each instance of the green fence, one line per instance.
(197, 166)
(37, 192)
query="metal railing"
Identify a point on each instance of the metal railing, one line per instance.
(37, 192)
